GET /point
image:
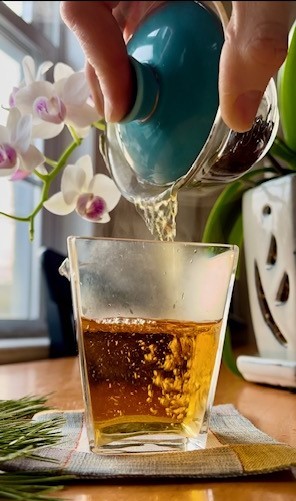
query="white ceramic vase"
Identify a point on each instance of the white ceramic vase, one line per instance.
(269, 222)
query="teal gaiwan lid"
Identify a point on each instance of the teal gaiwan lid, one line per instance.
(175, 54)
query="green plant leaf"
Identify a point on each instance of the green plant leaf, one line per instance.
(224, 225)
(236, 231)
(287, 93)
(281, 150)
(228, 356)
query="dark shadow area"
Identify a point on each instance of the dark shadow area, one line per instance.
(59, 310)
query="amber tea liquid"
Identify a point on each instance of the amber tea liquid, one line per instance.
(148, 377)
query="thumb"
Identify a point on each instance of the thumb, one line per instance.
(256, 44)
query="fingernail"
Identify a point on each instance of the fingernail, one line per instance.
(246, 106)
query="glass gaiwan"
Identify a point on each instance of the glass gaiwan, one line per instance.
(174, 136)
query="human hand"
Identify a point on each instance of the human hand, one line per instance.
(256, 43)
(103, 31)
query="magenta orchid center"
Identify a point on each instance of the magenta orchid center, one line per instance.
(8, 156)
(50, 110)
(91, 206)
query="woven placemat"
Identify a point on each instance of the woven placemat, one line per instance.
(235, 448)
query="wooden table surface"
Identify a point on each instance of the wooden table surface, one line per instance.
(271, 410)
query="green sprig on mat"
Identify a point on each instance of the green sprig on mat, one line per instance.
(20, 436)
(26, 486)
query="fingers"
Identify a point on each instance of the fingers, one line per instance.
(255, 48)
(96, 91)
(100, 37)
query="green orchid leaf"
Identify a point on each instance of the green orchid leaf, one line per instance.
(281, 150)
(224, 225)
(228, 357)
(224, 221)
(236, 232)
(287, 93)
(235, 236)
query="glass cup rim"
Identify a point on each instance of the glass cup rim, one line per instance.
(73, 238)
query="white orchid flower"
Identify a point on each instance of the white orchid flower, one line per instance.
(93, 197)
(30, 75)
(16, 151)
(54, 105)
(29, 69)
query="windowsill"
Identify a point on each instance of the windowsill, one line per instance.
(23, 350)
(10, 329)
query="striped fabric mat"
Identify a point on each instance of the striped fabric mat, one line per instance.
(235, 448)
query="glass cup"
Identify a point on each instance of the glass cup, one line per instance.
(150, 319)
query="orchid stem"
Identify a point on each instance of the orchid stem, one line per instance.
(74, 134)
(60, 164)
(43, 177)
(17, 218)
(31, 229)
(50, 162)
(47, 180)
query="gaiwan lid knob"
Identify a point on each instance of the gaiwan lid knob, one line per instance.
(175, 55)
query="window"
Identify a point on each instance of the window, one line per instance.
(25, 28)
(19, 277)
(42, 15)
(22, 9)
(16, 287)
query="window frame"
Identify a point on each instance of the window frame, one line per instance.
(25, 35)
(28, 39)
